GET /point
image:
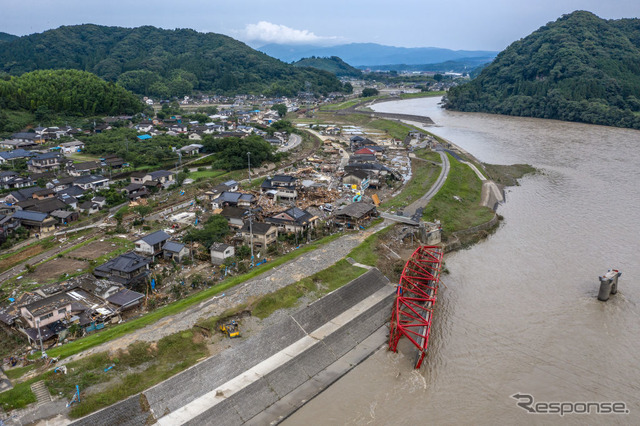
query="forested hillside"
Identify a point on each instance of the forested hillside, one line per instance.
(6, 37)
(69, 92)
(162, 63)
(332, 64)
(578, 68)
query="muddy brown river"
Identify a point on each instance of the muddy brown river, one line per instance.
(518, 313)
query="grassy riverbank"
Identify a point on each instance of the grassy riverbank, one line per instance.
(423, 175)
(462, 212)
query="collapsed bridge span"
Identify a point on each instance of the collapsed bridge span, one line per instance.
(415, 299)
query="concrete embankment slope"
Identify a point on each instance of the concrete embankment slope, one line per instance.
(266, 371)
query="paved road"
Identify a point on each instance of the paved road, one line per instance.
(293, 142)
(417, 206)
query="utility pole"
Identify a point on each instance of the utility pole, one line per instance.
(249, 163)
(43, 354)
(251, 235)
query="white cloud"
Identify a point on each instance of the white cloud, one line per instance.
(268, 32)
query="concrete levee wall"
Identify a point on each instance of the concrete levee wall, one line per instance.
(241, 407)
(209, 374)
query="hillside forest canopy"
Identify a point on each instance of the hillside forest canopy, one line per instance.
(163, 63)
(578, 68)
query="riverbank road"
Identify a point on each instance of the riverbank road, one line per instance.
(293, 142)
(416, 207)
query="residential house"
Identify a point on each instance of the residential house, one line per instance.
(49, 161)
(14, 144)
(162, 178)
(71, 191)
(125, 299)
(135, 191)
(21, 195)
(47, 310)
(175, 251)
(178, 128)
(92, 182)
(152, 244)
(262, 234)
(44, 206)
(230, 186)
(357, 178)
(61, 184)
(192, 149)
(144, 127)
(220, 252)
(126, 269)
(235, 216)
(357, 142)
(36, 222)
(43, 194)
(377, 150)
(11, 156)
(65, 217)
(71, 147)
(12, 180)
(100, 201)
(233, 199)
(69, 200)
(113, 162)
(293, 220)
(280, 187)
(85, 168)
(7, 225)
(28, 137)
(356, 214)
(88, 207)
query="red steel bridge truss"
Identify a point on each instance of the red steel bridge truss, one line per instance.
(415, 300)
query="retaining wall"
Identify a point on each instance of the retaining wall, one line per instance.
(209, 374)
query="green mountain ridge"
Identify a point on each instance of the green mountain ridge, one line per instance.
(162, 63)
(332, 64)
(578, 68)
(6, 37)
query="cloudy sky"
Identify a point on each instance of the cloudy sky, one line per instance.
(454, 24)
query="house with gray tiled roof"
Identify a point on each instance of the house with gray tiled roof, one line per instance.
(152, 244)
(125, 269)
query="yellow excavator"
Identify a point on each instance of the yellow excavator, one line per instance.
(231, 329)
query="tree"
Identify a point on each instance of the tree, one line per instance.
(214, 230)
(142, 210)
(281, 109)
(369, 91)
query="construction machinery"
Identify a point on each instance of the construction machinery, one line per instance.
(231, 329)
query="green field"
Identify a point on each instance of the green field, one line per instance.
(206, 174)
(458, 215)
(80, 157)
